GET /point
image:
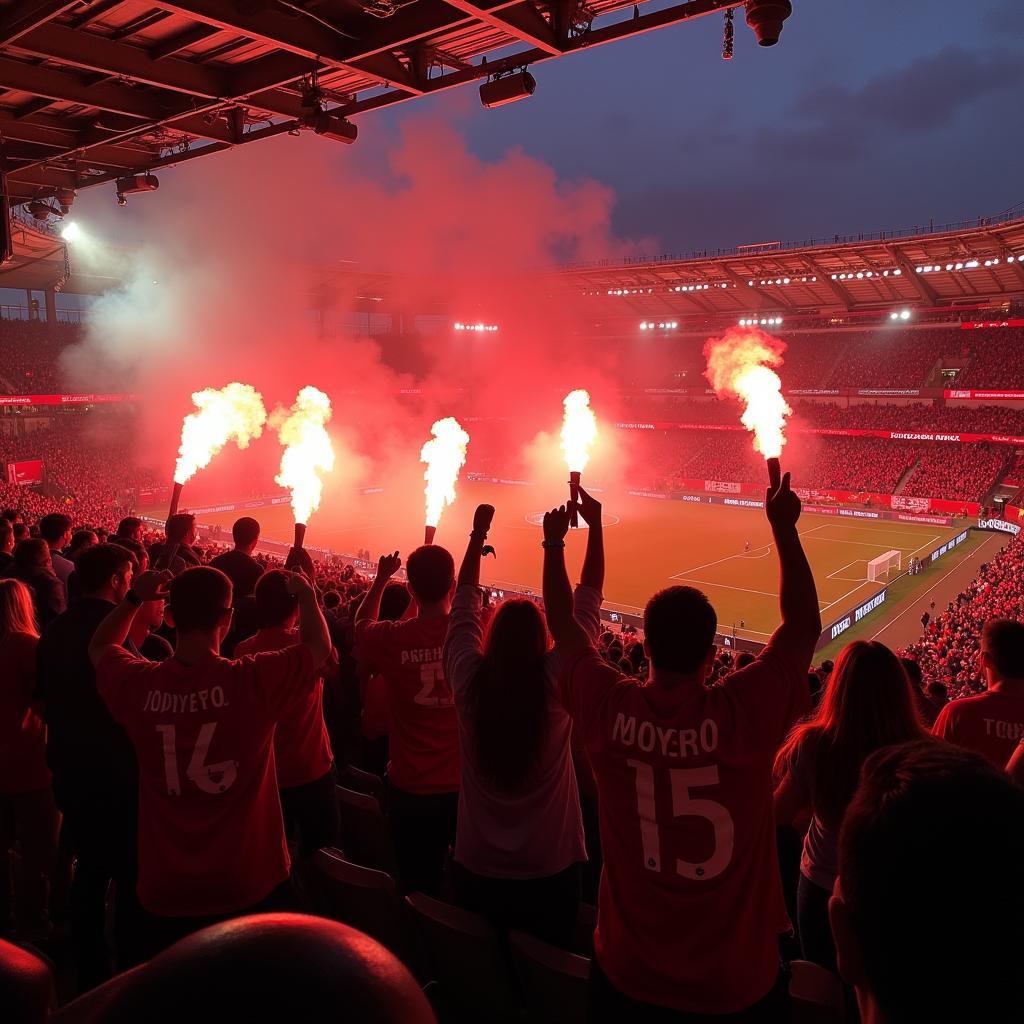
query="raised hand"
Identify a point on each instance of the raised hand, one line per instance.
(482, 519)
(152, 585)
(781, 504)
(556, 523)
(387, 566)
(589, 509)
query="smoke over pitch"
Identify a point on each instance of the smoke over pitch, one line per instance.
(240, 248)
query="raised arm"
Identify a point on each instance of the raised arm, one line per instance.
(1015, 766)
(113, 630)
(593, 562)
(369, 607)
(568, 635)
(313, 632)
(798, 596)
(469, 573)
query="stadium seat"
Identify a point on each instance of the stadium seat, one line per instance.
(365, 834)
(26, 986)
(364, 782)
(553, 982)
(360, 897)
(466, 960)
(818, 995)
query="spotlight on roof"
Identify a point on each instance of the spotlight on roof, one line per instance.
(71, 231)
(765, 17)
(134, 184)
(507, 89)
(332, 126)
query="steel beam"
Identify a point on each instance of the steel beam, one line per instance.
(21, 18)
(524, 22)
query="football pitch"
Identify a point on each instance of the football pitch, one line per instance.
(650, 544)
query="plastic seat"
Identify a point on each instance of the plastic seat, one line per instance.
(818, 995)
(365, 833)
(361, 897)
(465, 958)
(554, 982)
(364, 782)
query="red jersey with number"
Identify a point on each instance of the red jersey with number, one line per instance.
(211, 837)
(424, 740)
(690, 907)
(991, 724)
(302, 748)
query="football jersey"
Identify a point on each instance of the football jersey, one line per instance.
(690, 906)
(302, 748)
(424, 739)
(211, 836)
(991, 724)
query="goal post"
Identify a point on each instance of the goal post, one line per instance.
(880, 567)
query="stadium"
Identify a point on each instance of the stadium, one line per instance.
(220, 416)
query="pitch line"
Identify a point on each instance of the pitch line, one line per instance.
(765, 547)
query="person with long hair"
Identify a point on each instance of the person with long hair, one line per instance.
(519, 846)
(868, 704)
(27, 806)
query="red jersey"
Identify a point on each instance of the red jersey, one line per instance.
(690, 907)
(211, 836)
(991, 724)
(302, 748)
(424, 739)
(22, 732)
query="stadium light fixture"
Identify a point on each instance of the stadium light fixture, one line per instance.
(507, 89)
(765, 17)
(71, 232)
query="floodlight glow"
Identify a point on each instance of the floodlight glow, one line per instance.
(71, 231)
(905, 314)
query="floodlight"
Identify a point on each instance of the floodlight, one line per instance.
(765, 17)
(507, 89)
(71, 231)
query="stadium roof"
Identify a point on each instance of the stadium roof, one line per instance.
(969, 264)
(94, 90)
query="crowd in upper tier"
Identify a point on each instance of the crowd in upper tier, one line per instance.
(175, 717)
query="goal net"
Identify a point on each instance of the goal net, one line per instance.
(880, 567)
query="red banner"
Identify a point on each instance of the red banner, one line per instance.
(1015, 396)
(24, 473)
(884, 435)
(973, 325)
(65, 399)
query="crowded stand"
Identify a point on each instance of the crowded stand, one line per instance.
(964, 478)
(204, 788)
(997, 359)
(31, 356)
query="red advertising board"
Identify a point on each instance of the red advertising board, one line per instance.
(24, 473)
(83, 399)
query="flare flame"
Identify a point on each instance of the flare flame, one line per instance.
(233, 413)
(444, 454)
(308, 452)
(579, 430)
(741, 365)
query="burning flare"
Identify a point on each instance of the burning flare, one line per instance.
(579, 430)
(234, 413)
(307, 449)
(444, 454)
(740, 365)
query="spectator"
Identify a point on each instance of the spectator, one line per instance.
(657, 751)
(26, 797)
(992, 723)
(95, 778)
(32, 566)
(202, 728)
(55, 529)
(177, 548)
(302, 750)
(6, 546)
(238, 564)
(130, 528)
(868, 704)
(929, 859)
(81, 540)
(519, 847)
(423, 773)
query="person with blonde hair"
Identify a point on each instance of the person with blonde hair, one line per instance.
(26, 795)
(868, 704)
